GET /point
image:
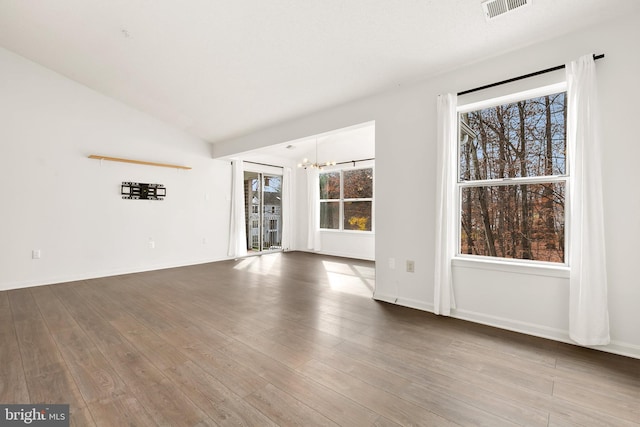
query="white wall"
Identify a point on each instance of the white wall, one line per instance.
(350, 244)
(354, 143)
(55, 199)
(405, 188)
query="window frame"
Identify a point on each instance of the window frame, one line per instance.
(341, 200)
(501, 263)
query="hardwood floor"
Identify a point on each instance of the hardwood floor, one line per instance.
(289, 339)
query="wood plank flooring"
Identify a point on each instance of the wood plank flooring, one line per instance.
(289, 339)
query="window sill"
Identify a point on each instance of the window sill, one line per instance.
(364, 233)
(533, 269)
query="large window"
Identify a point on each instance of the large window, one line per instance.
(346, 199)
(512, 179)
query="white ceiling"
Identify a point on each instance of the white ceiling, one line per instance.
(341, 145)
(221, 69)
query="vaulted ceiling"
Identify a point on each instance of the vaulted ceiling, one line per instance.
(221, 69)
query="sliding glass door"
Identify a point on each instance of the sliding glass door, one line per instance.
(263, 210)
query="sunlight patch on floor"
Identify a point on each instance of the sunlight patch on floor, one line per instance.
(261, 264)
(351, 279)
(350, 284)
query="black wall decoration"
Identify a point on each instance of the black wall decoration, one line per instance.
(141, 191)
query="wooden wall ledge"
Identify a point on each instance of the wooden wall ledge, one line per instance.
(137, 162)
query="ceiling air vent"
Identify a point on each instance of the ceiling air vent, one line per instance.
(495, 8)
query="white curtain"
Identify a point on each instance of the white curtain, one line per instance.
(237, 227)
(313, 203)
(286, 209)
(443, 300)
(588, 312)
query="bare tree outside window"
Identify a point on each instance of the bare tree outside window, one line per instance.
(330, 185)
(512, 179)
(347, 194)
(330, 200)
(358, 192)
(330, 215)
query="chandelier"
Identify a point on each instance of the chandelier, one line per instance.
(315, 165)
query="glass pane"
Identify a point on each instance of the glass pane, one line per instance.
(525, 138)
(515, 221)
(253, 200)
(330, 185)
(330, 215)
(357, 216)
(358, 184)
(272, 213)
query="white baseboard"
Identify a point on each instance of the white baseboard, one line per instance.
(99, 274)
(405, 302)
(511, 325)
(615, 347)
(339, 254)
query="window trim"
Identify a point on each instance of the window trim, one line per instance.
(555, 269)
(342, 200)
(508, 265)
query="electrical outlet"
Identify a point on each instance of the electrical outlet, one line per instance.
(36, 254)
(411, 266)
(392, 263)
(152, 244)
